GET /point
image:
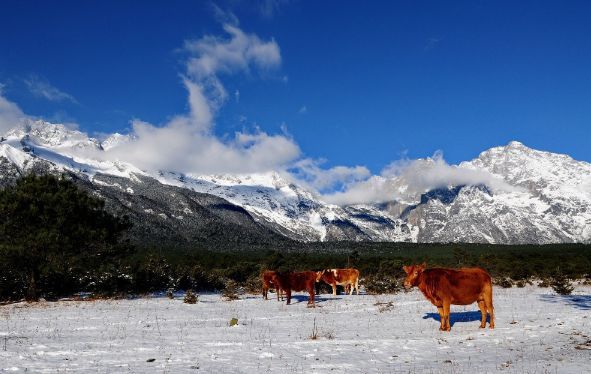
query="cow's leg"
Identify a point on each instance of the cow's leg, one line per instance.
(311, 298)
(441, 318)
(334, 289)
(482, 307)
(356, 286)
(265, 289)
(489, 307)
(288, 295)
(446, 307)
(279, 292)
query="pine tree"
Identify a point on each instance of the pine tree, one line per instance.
(49, 225)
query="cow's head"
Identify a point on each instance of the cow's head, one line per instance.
(412, 274)
(319, 275)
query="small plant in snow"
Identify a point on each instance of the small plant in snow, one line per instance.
(380, 284)
(253, 284)
(561, 284)
(190, 297)
(314, 334)
(504, 282)
(520, 283)
(170, 293)
(231, 290)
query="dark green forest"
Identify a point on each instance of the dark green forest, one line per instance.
(56, 241)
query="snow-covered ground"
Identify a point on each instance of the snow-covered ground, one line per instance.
(537, 332)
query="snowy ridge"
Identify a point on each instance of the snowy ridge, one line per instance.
(549, 200)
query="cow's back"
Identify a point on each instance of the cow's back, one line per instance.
(298, 281)
(462, 286)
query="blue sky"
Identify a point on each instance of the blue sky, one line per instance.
(358, 83)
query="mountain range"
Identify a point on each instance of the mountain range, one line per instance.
(526, 196)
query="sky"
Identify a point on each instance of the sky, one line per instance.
(338, 89)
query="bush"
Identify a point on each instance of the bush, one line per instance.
(190, 298)
(253, 285)
(380, 283)
(561, 284)
(170, 293)
(231, 290)
(504, 282)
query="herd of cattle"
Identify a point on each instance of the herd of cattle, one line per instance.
(442, 287)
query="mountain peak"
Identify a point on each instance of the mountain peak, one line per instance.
(51, 135)
(515, 144)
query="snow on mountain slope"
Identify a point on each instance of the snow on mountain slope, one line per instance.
(60, 146)
(275, 201)
(549, 199)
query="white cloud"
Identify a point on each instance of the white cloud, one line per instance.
(213, 55)
(303, 110)
(42, 88)
(268, 8)
(178, 147)
(406, 180)
(186, 143)
(310, 172)
(10, 113)
(423, 175)
(373, 190)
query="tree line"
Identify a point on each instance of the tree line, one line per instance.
(56, 241)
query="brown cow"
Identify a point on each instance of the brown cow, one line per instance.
(443, 287)
(302, 281)
(341, 277)
(269, 279)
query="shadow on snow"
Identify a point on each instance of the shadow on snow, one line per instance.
(582, 302)
(317, 298)
(458, 317)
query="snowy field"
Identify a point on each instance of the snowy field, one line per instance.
(537, 332)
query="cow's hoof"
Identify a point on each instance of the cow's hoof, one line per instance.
(482, 326)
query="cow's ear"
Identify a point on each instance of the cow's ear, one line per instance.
(406, 269)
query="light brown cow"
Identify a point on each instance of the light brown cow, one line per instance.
(340, 277)
(443, 287)
(302, 281)
(269, 279)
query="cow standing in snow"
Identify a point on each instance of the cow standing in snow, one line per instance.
(269, 279)
(443, 287)
(340, 277)
(298, 281)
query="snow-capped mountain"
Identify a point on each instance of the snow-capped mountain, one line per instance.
(547, 197)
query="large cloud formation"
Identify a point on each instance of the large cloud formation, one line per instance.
(186, 143)
(406, 180)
